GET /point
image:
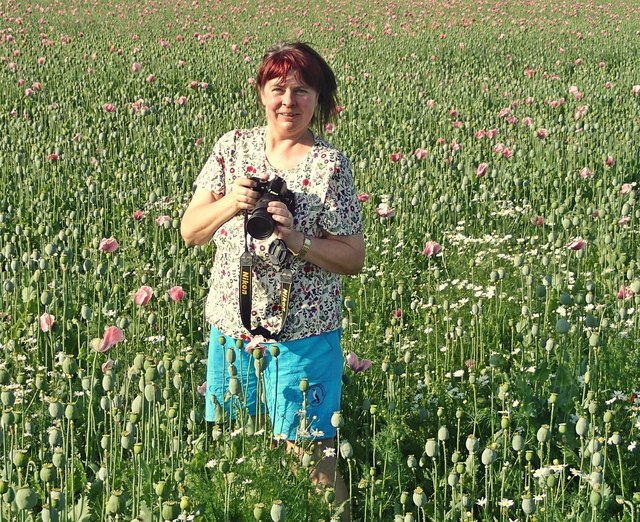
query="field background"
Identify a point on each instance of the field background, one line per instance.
(504, 367)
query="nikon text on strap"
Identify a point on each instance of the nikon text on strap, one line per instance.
(245, 287)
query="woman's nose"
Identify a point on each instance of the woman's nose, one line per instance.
(287, 98)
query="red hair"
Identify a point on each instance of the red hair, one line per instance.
(308, 66)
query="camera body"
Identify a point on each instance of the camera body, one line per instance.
(260, 224)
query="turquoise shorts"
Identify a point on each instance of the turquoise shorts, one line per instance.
(317, 358)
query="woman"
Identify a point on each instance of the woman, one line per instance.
(322, 230)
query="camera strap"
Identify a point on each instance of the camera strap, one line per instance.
(246, 279)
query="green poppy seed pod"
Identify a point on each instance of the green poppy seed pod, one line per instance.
(459, 413)
(488, 456)
(307, 460)
(179, 475)
(5, 377)
(373, 409)
(409, 517)
(8, 398)
(127, 440)
(329, 495)
(337, 421)
(274, 350)
(304, 385)
(562, 428)
(69, 365)
(472, 378)
(553, 398)
(594, 340)
(162, 489)
(419, 497)
(150, 392)
(170, 510)
(137, 448)
(455, 456)
(20, 458)
(412, 462)
(543, 434)
(593, 407)
(178, 365)
(47, 473)
(461, 467)
(443, 434)
(258, 511)
(594, 445)
(224, 466)
(107, 382)
(26, 499)
(277, 511)
(234, 386)
(517, 442)
(495, 360)
(472, 444)
(55, 437)
(551, 481)
(528, 455)
(59, 459)
(116, 503)
(431, 448)
(185, 503)
(8, 419)
(528, 505)
(4, 486)
(385, 365)
(346, 450)
(582, 427)
(453, 479)
(562, 326)
(259, 365)
(616, 439)
(105, 442)
(349, 304)
(595, 498)
(408, 356)
(151, 374)
(608, 416)
(587, 377)
(596, 459)
(504, 422)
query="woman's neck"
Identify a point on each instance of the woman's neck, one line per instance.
(286, 152)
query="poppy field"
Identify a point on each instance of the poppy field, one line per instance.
(491, 341)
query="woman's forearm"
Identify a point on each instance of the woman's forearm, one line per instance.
(338, 254)
(201, 220)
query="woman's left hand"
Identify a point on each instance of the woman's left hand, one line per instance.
(283, 219)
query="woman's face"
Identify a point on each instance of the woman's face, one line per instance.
(289, 104)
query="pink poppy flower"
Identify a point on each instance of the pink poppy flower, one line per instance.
(138, 215)
(109, 107)
(527, 121)
(498, 148)
(396, 156)
(135, 67)
(151, 78)
(430, 104)
(397, 313)
(576, 244)
(625, 292)
(176, 293)
(580, 112)
(37, 86)
(46, 322)
(480, 134)
(356, 364)
(199, 141)
(204, 85)
(53, 157)
(507, 152)
(626, 188)
(329, 128)
(624, 220)
(420, 153)
(363, 197)
(431, 248)
(339, 109)
(108, 245)
(143, 295)
(182, 101)
(193, 84)
(234, 47)
(542, 133)
(491, 133)
(608, 85)
(481, 171)
(112, 336)
(385, 211)
(504, 112)
(161, 220)
(107, 365)
(537, 221)
(257, 341)
(609, 161)
(28, 92)
(585, 173)
(635, 89)
(202, 389)
(40, 60)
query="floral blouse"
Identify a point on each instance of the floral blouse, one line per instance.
(325, 201)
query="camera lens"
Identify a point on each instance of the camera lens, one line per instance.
(260, 223)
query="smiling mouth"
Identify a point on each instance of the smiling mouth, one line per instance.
(288, 114)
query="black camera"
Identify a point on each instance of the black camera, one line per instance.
(260, 224)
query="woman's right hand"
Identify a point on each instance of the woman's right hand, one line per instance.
(242, 193)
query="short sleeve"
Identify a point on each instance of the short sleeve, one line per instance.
(342, 215)
(212, 175)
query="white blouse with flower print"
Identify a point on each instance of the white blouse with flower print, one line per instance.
(325, 201)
